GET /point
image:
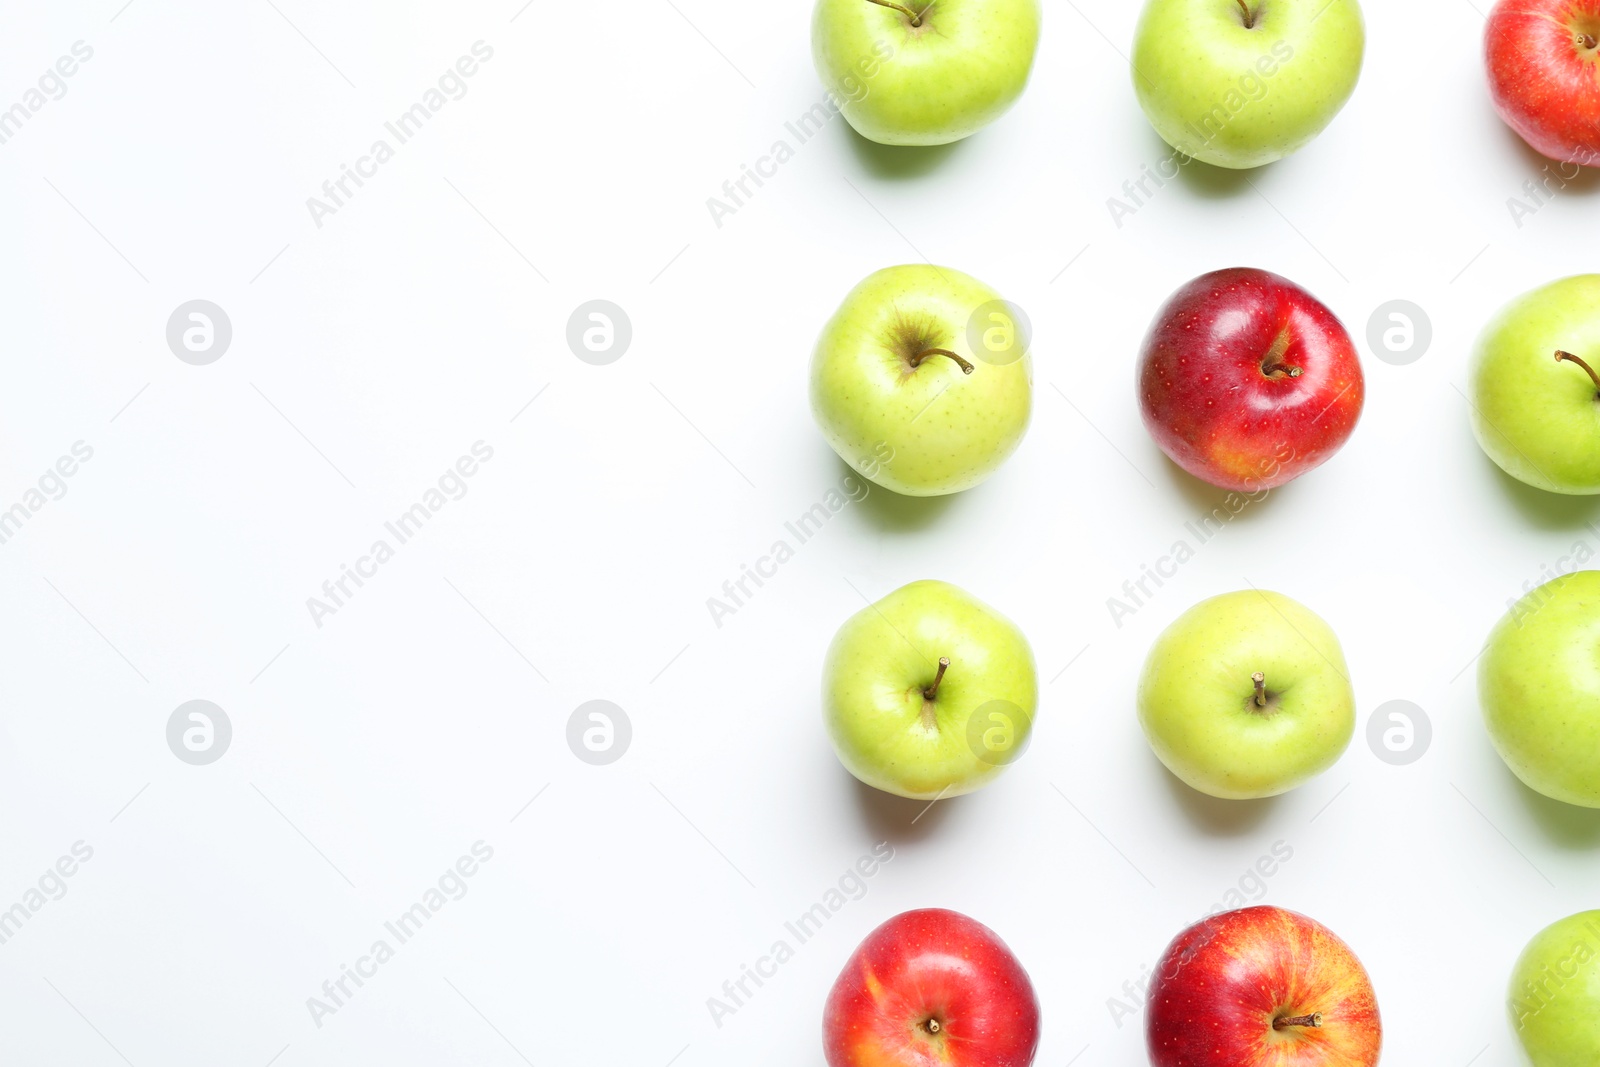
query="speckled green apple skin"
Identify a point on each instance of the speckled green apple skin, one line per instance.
(1539, 419)
(946, 79)
(1539, 687)
(1197, 699)
(1277, 83)
(1554, 997)
(946, 431)
(880, 662)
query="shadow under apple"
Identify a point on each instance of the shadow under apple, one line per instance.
(1554, 175)
(1544, 509)
(890, 512)
(1565, 825)
(896, 820)
(1214, 816)
(897, 162)
(1225, 506)
(1200, 178)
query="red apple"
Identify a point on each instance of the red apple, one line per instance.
(1247, 381)
(1261, 987)
(1544, 74)
(931, 988)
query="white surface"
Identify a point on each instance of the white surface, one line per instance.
(405, 729)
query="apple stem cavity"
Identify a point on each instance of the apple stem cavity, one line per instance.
(1570, 358)
(1249, 19)
(916, 360)
(1272, 363)
(932, 690)
(914, 16)
(1261, 688)
(1314, 1019)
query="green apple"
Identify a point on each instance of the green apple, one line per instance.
(1535, 398)
(1246, 695)
(1554, 999)
(906, 397)
(929, 692)
(925, 72)
(1240, 83)
(1539, 686)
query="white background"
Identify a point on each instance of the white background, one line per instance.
(370, 753)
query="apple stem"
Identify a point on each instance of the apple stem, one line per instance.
(1249, 19)
(944, 665)
(1261, 688)
(916, 360)
(914, 16)
(1292, 372)
(1570, 358)
(932, 1026)
(1314, 1019)
(1588, 41)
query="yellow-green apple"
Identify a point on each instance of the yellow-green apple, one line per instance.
(1543, 58)
(896, 366)
(931, 988)
(929, 692)
(1261, 987)
(1535, 397)
(924, 72)
(1247, 695)
(1241, 83)
(1539, 686)
(1554, 999)
(1247, 381)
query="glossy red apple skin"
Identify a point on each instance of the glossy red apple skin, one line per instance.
(1224, 980)
(1544, 77)
(1206, 394)
(934, 965)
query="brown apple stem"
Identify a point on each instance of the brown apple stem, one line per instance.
(1314, 1019)
(916, 360)
(1261, 688)
(1249, 19)
(932, 1026)
(944, 665)
(1588, 41)
(1570, 358)
(1292, 372)
(914, 16)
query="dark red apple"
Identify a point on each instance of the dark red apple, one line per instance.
(1247, 381)
(1544, 74)
(1261, 987)
(931, 988)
